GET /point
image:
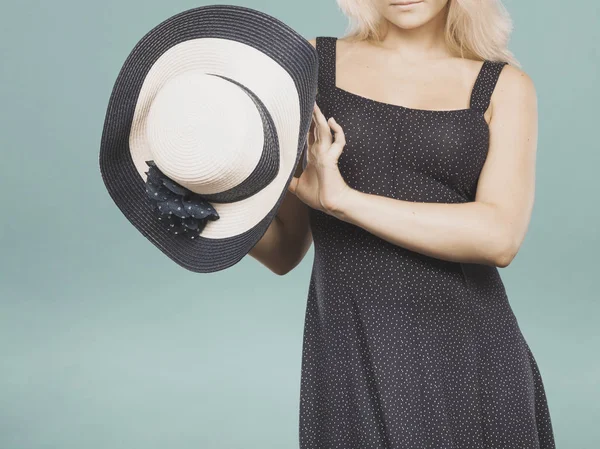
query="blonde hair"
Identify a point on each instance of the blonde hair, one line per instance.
(475, 29)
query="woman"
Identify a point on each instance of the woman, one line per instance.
(418, 184)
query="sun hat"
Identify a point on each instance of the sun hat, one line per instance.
(206, 123)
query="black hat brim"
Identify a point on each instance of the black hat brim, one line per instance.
(125, 186)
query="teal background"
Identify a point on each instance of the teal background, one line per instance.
(107, 343)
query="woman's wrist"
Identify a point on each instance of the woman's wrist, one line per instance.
(343, 203)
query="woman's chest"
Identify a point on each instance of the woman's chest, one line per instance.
(411, 154)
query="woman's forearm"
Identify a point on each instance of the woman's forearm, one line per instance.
(266, 250)
(287, 239)
(473, 232)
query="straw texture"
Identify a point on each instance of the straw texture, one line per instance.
(127, 189)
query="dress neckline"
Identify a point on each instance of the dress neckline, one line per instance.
(400, 107)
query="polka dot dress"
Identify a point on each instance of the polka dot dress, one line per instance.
(403, 350)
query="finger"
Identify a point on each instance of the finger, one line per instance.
(311, 133)
(293, 184)
(323, 128)
(321, 120)
(315, 127)
(339, 136)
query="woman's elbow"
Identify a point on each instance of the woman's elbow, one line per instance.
(507, 247)
(282, 271)
(290, 259)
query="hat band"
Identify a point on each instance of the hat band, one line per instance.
(185, 212)
(268, 165)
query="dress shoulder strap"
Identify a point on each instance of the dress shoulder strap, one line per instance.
(485, 83)
(326, 50)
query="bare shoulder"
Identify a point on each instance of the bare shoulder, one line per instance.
(513, 85)
(314, 42)
(346, 45)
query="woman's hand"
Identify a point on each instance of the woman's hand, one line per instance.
(321, 185)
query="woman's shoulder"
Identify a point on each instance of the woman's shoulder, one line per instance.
(313, 41)
(343, 45)
(514, 75)
(342, 40)
(513, 83)
(510, 77)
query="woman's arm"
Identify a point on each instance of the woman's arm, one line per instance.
(489, 230)
(288, 238)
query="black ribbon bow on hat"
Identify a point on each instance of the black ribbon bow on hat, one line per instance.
(182, 211)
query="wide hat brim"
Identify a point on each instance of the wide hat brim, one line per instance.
(121, 177)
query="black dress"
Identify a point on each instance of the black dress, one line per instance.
(402, 350)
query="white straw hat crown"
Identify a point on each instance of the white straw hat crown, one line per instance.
(197, 139)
